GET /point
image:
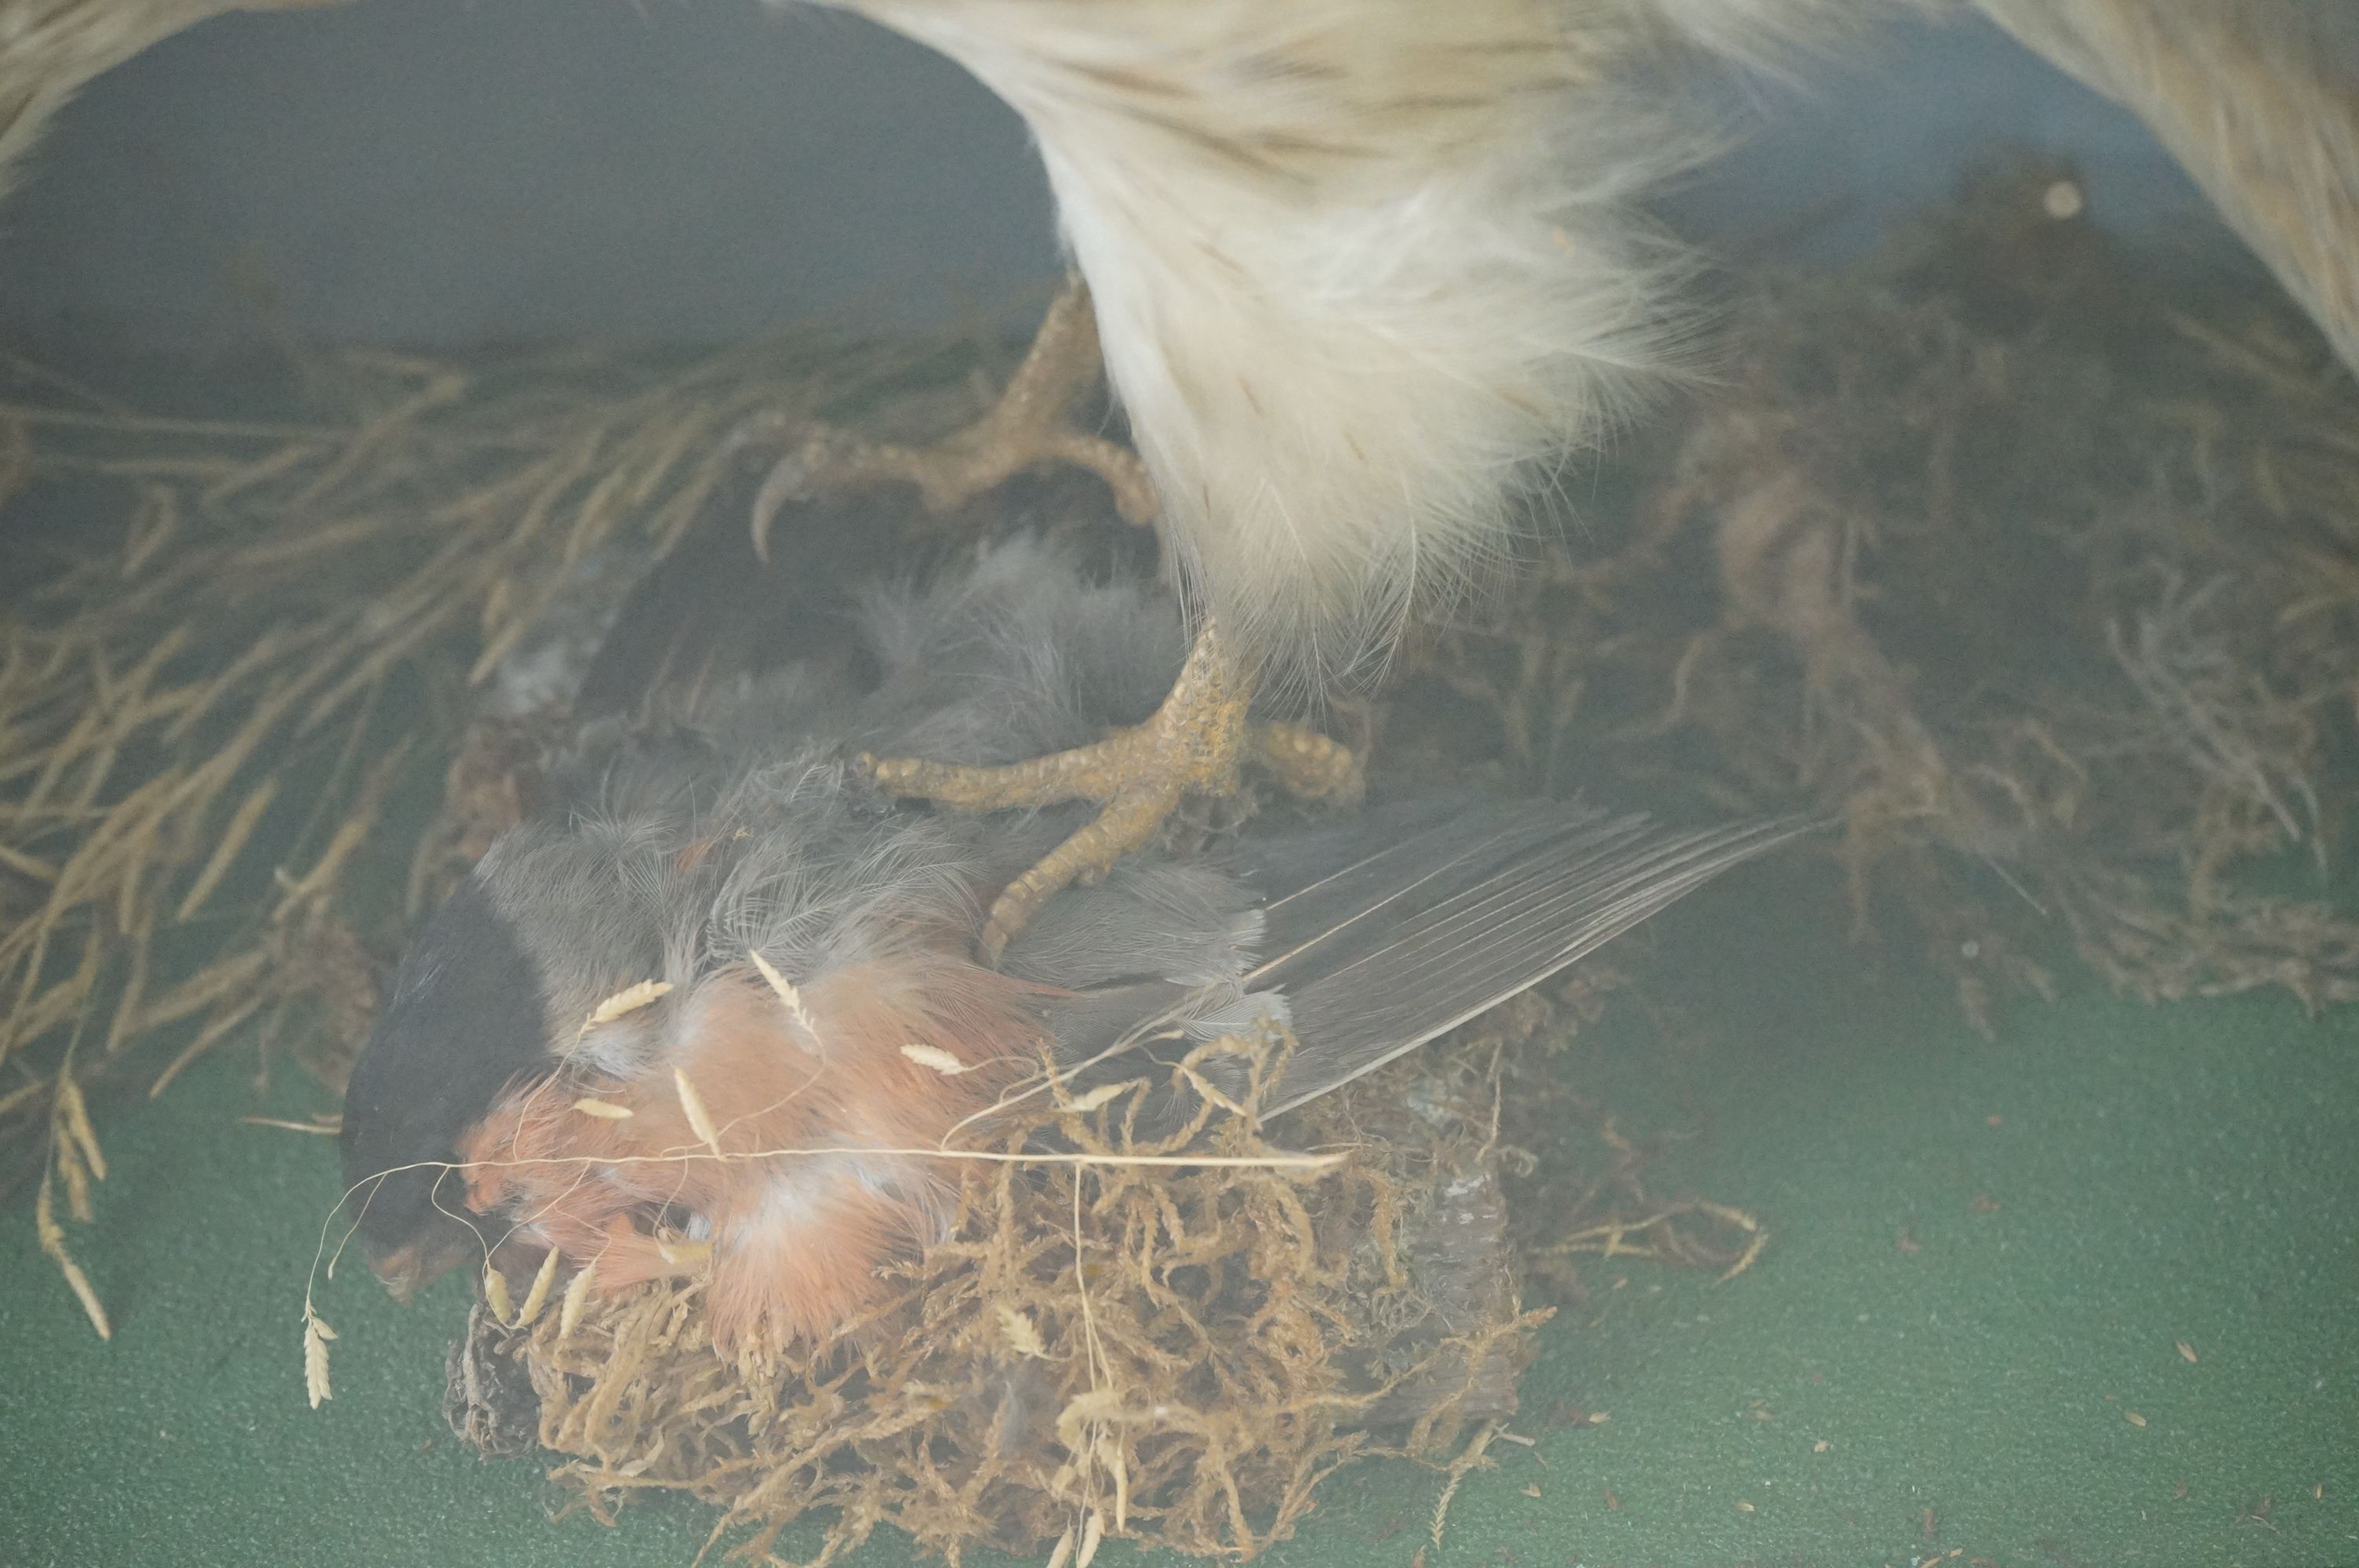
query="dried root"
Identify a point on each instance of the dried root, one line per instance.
(2042, 569)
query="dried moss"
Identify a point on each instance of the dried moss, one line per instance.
(1183, 1354)
(233, 646)
(2041, 565)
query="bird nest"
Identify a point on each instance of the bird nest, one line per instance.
(2038, 562)
(1105, 1346)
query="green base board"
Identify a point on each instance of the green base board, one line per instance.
(2181, 1173)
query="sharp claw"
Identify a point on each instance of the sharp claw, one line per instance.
(1028, 426)
(789, 479)
(1195, 741)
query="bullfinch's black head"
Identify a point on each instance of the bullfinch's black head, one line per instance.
(467, 1018)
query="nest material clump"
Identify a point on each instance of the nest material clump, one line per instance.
(1101, 1349)
(1098, 1348)
(2039, 564)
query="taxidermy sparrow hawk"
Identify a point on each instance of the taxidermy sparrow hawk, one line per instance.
(1362, 270)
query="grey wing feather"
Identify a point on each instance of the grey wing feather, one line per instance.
(1383, 932)
(1414, 937)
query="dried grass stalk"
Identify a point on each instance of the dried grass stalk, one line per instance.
(241, 693)
(1173, 1342)
(1098, 1348)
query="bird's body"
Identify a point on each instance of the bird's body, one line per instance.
(1365, 269)
(787, 1104)
(1357, 264)
(49, 49)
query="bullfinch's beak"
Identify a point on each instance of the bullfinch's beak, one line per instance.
(409, 1269)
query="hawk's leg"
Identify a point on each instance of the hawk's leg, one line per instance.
(1029, 426)
(1197, 740)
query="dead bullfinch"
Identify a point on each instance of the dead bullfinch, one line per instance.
(818, 1022)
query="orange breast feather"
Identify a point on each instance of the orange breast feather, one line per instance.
(824, 1126)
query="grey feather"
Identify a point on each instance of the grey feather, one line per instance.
(1419, 936)
(1388, 930)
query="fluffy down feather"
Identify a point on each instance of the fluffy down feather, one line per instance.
(1365, 270)
(1357, 264)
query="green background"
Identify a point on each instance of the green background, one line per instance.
(2185, 1173)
